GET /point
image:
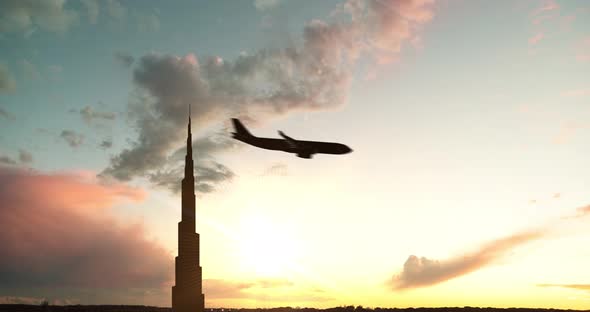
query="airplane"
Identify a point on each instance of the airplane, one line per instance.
(303, 149)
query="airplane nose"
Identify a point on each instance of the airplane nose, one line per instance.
(349, 150)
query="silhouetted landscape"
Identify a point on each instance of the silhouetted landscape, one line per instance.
(133, 308)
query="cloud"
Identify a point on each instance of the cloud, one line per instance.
(278, 169)
(124, 59)
(106, 143)
(25, 157)
(30, 70)
(423, 272)
(583, 50)
(7, 160)
(89, 115)
(35, 300)
(549, 6)
(258, 290)
(7, 82)
(536, 38)
(211, 174)
(21, 300)
(73, 138)
(58, 233)
(576, 92)
(566, 132)
(23, 16)
(6, 115)
(583, 211)
(93, 10)
(116, 10)
(208, 174)
(266, 84)
(147, 21)
(585, 287)
(263, 5)
(207, 146)
(55, 69)
(215, 288)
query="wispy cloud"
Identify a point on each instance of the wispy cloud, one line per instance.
(278, 169)
(423, 272)
(73, 138)
(29, 70)
(258, 290)
(25, 157)
(576, 92)
(583, 211)
(548, 6)
(115, 10)
(92, 10)
(567, 132)
(583, 50)
(147, 21)
(263, 5)
(124, 59)
(585, 287)
(7, 82)
(106, 143)
(6, 160)
(5, 114)
(25, 16)
(90, 115)
(536, 38)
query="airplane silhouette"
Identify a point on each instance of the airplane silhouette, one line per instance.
(303, 149)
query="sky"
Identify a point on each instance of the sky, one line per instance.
(467, 186)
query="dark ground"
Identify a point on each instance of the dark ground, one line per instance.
(124, 308)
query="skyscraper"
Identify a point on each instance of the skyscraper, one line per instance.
(187, 294)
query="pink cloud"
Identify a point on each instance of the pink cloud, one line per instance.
(57, 232)
(547, 7)
(583, 50)
(536, 38)
(538, 20)
(396, 22)
(191, 59)
(584, 211)
(576, 92)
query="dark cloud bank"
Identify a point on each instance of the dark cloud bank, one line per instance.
(94, 251)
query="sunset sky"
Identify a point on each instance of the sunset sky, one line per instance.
(468, 184)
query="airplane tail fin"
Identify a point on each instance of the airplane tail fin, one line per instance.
(241, 130)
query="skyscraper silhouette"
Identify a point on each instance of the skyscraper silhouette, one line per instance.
(187, 294)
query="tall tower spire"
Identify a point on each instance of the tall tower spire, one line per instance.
(187, 294)
(189, 150)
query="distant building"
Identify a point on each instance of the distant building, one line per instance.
(187, 294)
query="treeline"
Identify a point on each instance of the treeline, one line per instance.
(127, 308)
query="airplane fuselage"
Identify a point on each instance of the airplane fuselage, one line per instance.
(283, 145)
(303, 149)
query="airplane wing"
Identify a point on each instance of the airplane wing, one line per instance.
(292, 142)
